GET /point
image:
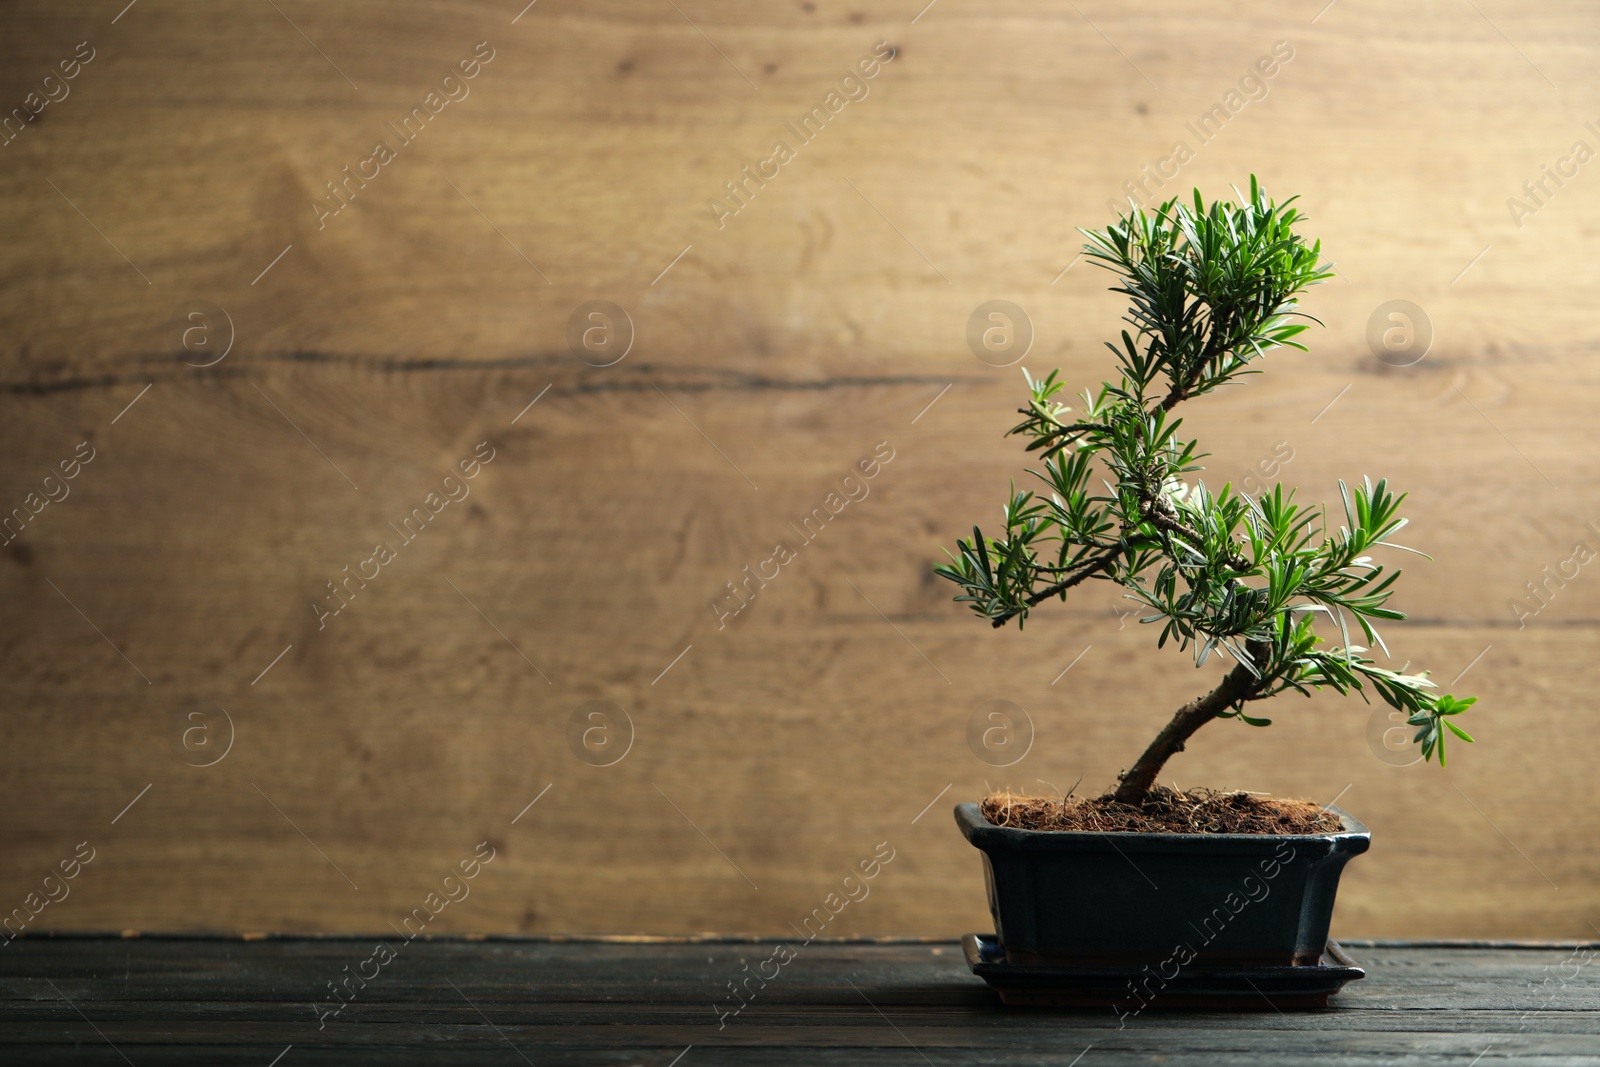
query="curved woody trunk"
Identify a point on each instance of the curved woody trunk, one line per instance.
(1136, 782)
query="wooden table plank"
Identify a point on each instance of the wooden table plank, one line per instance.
(221, 1000)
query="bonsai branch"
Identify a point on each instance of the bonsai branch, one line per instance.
(1064, 429)
(1176, 395)
(1216, 343)
(1159, 511)
(1085, 570)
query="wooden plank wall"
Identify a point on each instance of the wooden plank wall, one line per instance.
(170, 591)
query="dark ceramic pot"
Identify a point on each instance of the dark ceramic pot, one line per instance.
(1078, 897)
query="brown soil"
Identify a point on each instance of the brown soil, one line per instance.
(1192, 811)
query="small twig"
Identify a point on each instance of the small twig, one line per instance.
(1159, 512)
(1063, 430)
(1098, 564)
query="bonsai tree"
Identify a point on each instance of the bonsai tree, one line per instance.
(1212, 290)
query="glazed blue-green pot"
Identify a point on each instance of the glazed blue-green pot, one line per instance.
(1092, 898)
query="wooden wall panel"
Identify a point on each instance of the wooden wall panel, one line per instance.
(775, 352)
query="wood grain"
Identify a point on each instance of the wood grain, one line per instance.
(178, 577)
(515, 1001)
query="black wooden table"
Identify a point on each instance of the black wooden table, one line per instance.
(171, 1000)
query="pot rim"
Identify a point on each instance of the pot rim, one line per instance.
(1354, 839)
